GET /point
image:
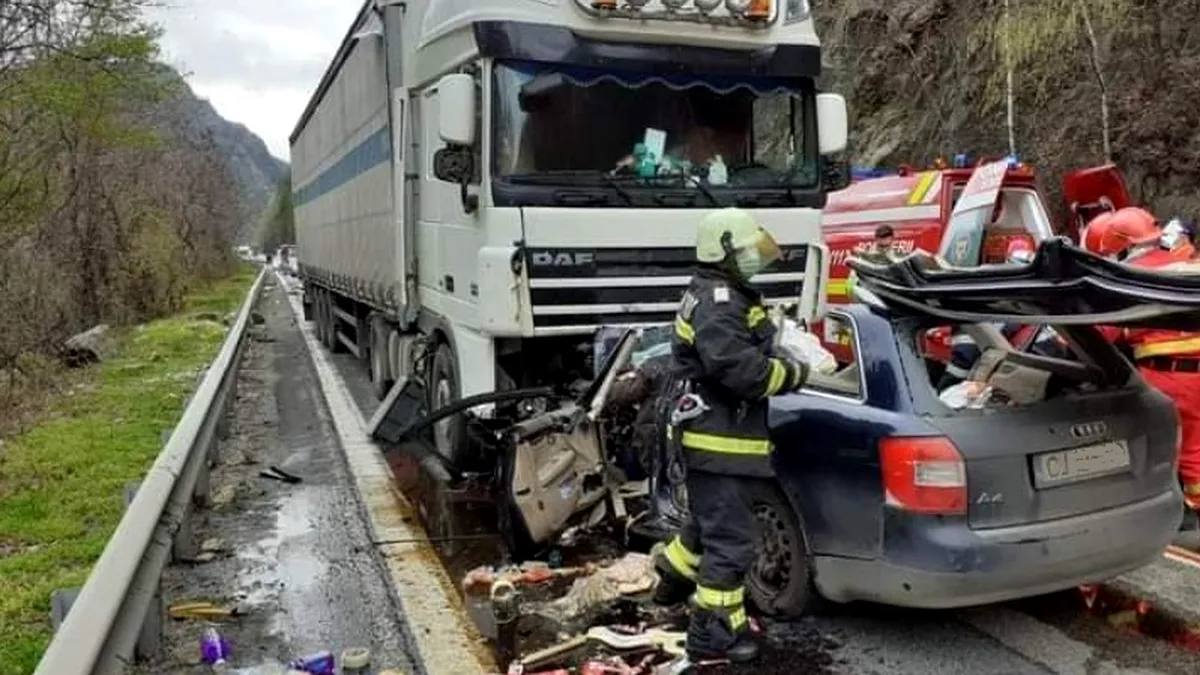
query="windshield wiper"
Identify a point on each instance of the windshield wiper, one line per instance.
(558, 176)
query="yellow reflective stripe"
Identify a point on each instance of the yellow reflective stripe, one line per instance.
(682, 560)
(1191, 488)
(737, 619)
(1171, 348)
(684, 330)
(713, 598)
(777, 378)
(918, 194)
(725, 444)
(838, 287)
(755, 315)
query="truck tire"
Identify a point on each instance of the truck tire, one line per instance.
(449, 435)
(331, 324)
(780, 581)
(381, 380)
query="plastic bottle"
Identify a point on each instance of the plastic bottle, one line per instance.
(214, 650)
(718, 173)
(321, 663)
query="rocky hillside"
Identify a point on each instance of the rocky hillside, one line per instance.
(250, 164)
(928, 77)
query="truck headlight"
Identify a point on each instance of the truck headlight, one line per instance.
(797, 10)
(737, 7)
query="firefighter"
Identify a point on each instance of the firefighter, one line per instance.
(1167, 359)
(724, 360)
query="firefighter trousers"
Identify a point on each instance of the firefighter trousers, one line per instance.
(716, 545)
(1184, 390)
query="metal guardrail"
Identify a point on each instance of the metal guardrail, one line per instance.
(119, 613)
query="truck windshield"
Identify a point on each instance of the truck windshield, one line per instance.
(567, 125)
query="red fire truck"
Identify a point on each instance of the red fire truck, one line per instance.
(966, 215)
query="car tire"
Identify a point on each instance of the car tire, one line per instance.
(780, 581)
(449, 435)
(381, 380)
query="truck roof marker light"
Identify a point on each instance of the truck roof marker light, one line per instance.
(1012, 161)
(604, 4)
(674, 5)
(962, 161)
(759, 10)
(707, 6)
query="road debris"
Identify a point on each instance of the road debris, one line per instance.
(356, 661)
(205, 611)
(320, 663)
(275, 473)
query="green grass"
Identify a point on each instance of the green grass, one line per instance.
(62, 482)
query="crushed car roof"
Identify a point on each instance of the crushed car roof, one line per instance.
(1063, 285)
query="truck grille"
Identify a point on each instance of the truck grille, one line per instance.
(584, 287)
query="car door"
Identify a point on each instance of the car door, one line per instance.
(827, 435)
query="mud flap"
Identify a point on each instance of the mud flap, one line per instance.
(404, 406)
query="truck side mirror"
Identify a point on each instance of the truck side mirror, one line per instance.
(456, 164)
(833, 123)
(456, 109)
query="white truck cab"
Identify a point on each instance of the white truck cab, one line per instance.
(481, 184)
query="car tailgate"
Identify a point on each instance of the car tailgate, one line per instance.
(1001, 447)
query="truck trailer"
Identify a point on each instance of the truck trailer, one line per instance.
(480, 185)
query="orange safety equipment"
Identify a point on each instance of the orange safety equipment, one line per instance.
(1169, 360)
(1111, 234)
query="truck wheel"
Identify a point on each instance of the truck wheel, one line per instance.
(381, 380)
(331, 320)
(779, 582)
(450, 434)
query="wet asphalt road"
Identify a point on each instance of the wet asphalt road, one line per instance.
(1044, 635)
(296, 558)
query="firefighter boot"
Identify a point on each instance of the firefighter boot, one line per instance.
(676, 567)
(720, 633)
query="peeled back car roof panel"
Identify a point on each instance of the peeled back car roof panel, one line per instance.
(1064, 285)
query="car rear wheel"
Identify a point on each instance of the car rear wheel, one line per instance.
(779, 582)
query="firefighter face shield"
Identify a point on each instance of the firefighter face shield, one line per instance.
(731, 236)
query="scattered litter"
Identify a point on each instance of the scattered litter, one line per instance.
(214, 648)
(224, 495)
(631, 575)
(481, 579)
(321, 663)
(276, 473)
(355, 661)
(654, 639)
(205, 611)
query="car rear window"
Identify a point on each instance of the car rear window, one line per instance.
(1011, 365)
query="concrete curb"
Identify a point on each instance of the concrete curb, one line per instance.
(445, 637)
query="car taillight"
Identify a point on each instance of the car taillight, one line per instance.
(923, 474)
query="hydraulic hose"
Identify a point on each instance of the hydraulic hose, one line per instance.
(477, 400)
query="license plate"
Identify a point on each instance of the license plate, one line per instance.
(1062, 467)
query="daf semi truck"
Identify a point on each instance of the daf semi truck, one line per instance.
(480, 185)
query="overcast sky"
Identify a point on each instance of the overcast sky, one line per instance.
(257, 61)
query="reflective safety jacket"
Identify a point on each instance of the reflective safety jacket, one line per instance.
(1148, 343)
(723, 347)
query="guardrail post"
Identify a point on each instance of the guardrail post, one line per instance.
(61, 600)
(149, 639)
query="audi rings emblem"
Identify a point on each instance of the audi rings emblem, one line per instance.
(1089, 430)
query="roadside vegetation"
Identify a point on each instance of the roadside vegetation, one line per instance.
(110, 212)
(62, 481)
(1067, 84)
